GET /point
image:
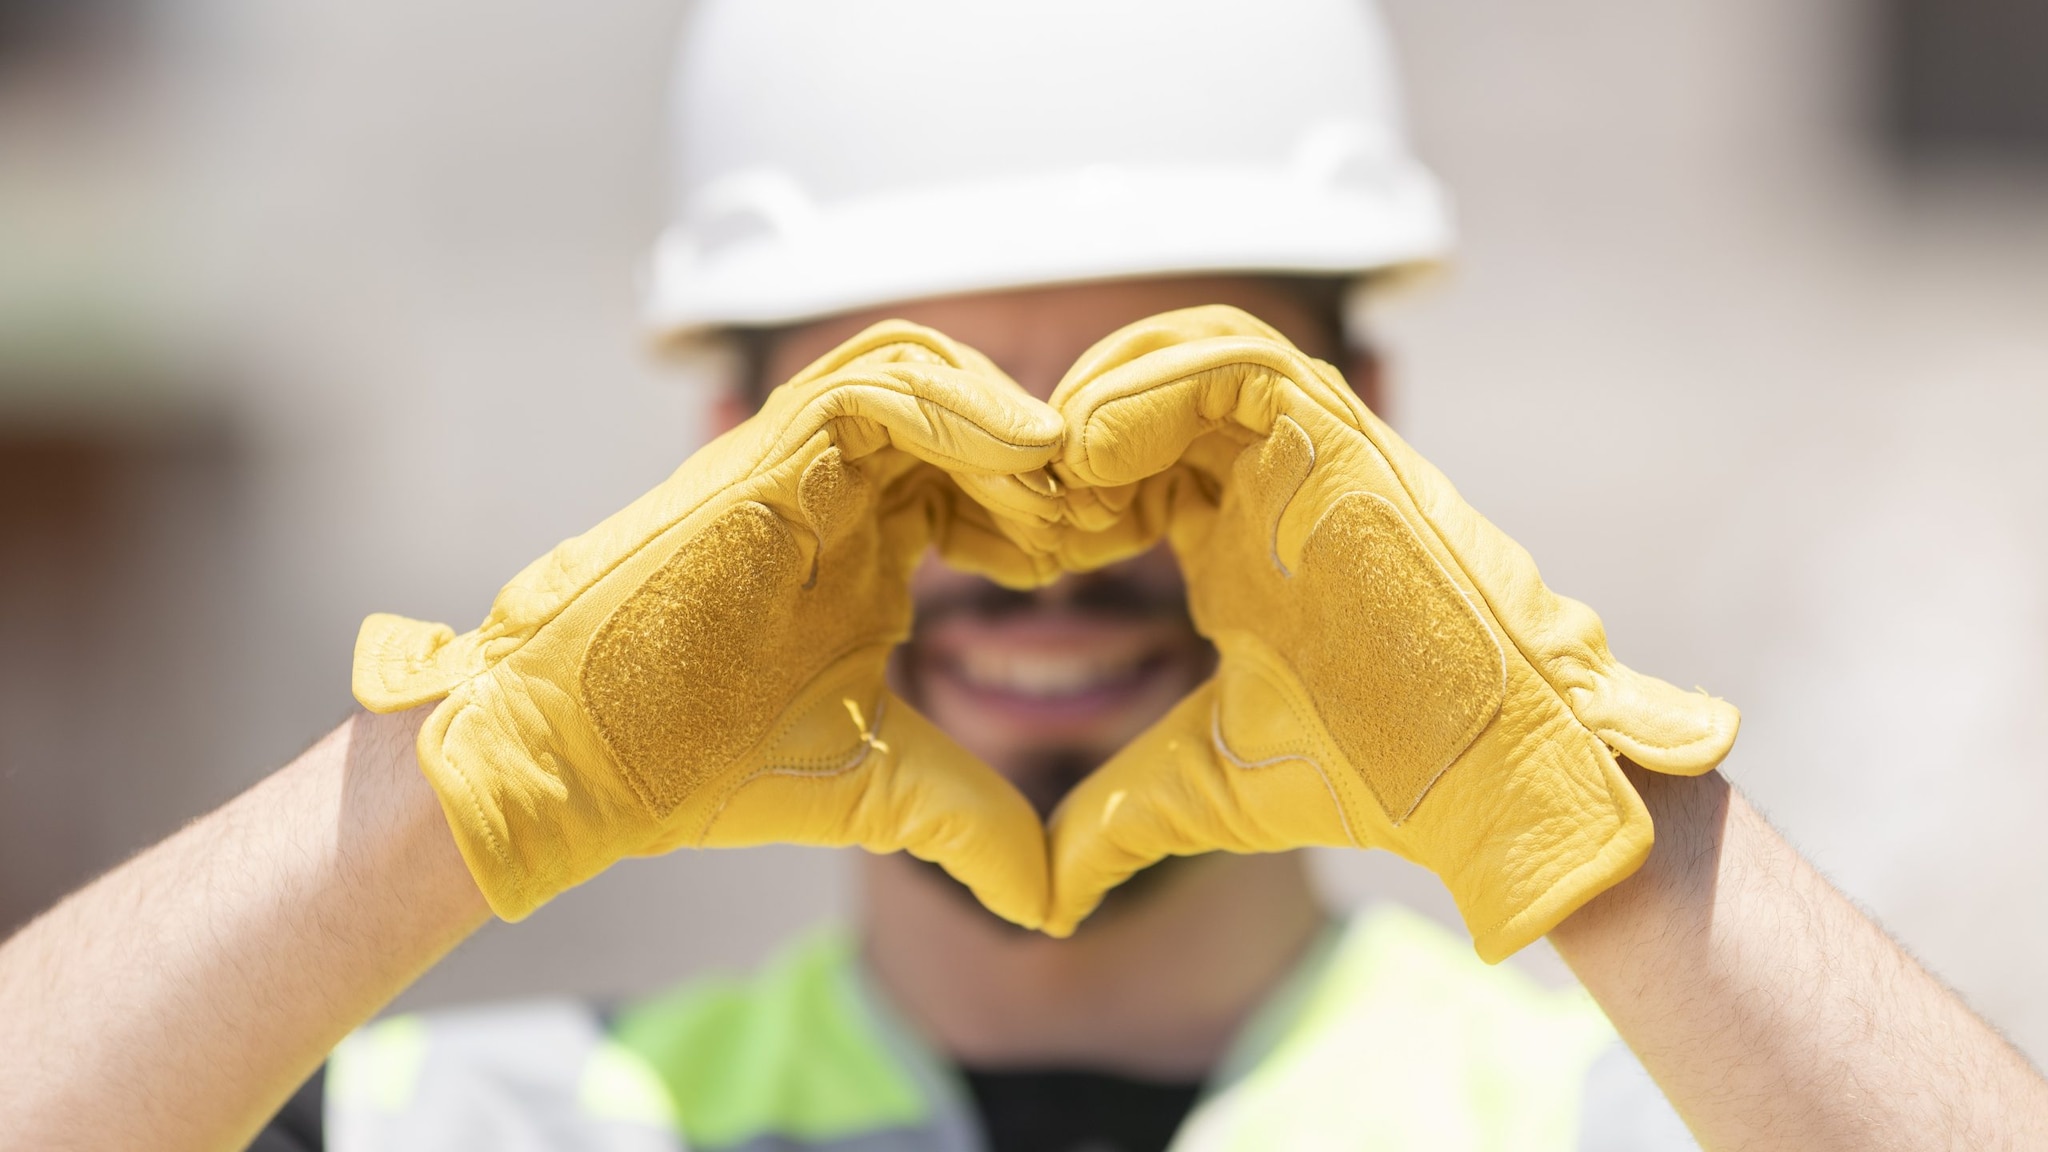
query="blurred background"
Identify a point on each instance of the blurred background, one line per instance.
(314, 309)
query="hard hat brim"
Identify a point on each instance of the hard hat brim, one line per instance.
(802, 262)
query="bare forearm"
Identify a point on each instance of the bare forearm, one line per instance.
(1772, 1012)
(175, 1002)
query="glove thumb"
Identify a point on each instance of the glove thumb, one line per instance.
(906, 786)
(1178, 790)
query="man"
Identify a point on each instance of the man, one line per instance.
(1025, 182)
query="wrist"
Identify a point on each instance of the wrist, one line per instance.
(1674, 889)
(391, 829)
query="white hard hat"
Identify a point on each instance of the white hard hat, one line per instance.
(838, 154)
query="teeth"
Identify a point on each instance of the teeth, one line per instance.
(1042, 674)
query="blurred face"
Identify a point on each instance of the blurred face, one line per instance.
(1046, 685)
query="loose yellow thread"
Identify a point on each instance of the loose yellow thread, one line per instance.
(859, 722)
(1115, 801)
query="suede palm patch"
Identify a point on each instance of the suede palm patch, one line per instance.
(1404, 673)
(693, 669)
(1416, 676)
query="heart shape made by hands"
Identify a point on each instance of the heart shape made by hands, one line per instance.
(706, 668)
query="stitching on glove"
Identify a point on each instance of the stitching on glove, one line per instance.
(1343, 727)
(727, 787)
(1610, 736)
(1216, 738)
(855, 759)
(869, 742)
(1255, 663)
(1273, 544)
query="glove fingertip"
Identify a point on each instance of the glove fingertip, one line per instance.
(1058, 929)
(395, 666)
(1029, 923)
(1656, 724)
(1007, 891)
(1690, 738)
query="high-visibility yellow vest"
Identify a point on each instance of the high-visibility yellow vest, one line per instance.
(1391, 1037)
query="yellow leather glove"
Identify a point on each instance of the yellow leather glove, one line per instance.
(1393, 672)
(705, 668)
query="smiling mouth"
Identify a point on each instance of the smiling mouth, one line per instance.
(1032, 675)
(1049, 677)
